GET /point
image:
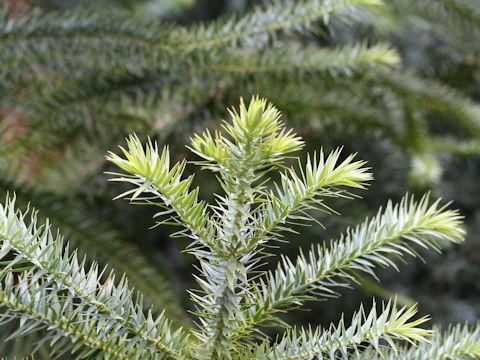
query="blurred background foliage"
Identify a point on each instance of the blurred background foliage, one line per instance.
(396, 82)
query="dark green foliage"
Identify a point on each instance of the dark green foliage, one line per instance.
(95, 75)
(396, 81)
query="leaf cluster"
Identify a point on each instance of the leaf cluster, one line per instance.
(86, 77)
(88, 312)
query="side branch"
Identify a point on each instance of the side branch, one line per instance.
(30, 312)
(334, 60)
(48, 262)
(84, 25)
(299, 193)
(338, 341)
(150, 173)
(360, 250)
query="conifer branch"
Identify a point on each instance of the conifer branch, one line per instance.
(457, 18)
(150, 172)
(47, 289)
(99, 241)
(94, 98)
(391, 232)
(432, 95)
(298, 194)
(282, 15)
(339, 342)
(449, 144)
(336, 61)
(295, 100)
(103, 95)
(457, 343)
(42, 315)
(468, 9)
(106, 306)
(259, 140)
(79, 24)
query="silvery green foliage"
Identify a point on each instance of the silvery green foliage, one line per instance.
(99, 241)
(91, 314)
(459, 342)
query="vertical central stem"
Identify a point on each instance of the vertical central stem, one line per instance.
(235, 230)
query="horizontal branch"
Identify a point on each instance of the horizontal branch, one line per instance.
(432, 95)
(118, 27)
(309, 60)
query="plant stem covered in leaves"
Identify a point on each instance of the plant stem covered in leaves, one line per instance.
(91, 313)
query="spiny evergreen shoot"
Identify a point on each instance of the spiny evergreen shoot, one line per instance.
(92, 313)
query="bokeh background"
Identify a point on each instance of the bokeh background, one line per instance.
(397, 83)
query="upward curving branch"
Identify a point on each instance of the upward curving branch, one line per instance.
(297, 194)
(150, 173)
(391, 233)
